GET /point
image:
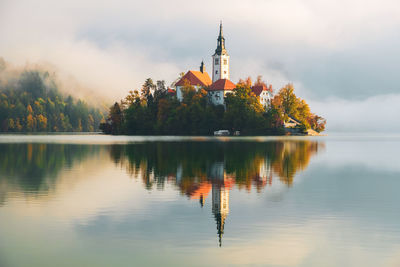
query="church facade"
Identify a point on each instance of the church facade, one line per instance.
(220, 85)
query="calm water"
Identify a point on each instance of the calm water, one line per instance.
(92, 200)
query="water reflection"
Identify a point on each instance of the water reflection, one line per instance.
(114, 205)
(196, 168)
(33, 169)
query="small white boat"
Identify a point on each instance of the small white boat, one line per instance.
(221, 133)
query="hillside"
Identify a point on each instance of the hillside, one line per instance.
(30, 101)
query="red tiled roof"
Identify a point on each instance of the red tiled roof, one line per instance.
(171, 91)
(257, 89)
(201, 191)
(222, 84)
(195, 78)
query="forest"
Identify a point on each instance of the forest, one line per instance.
(155, 110)
(30, 101)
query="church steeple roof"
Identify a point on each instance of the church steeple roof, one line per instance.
(202, 68)
(221, 42)
(220, 219)
(220, 29)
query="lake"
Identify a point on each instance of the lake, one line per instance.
(96, 200)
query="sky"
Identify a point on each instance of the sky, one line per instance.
(340, 55)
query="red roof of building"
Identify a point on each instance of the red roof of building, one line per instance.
(257, 89)
(201, 191)
(222, 84)
(195, 78)
(171, 91)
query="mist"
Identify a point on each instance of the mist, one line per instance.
(11, 77)
(377, 114)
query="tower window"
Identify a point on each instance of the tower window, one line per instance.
(225, 61)
(224, 72)
(216, 61)
(216, 72)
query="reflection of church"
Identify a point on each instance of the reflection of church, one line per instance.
(216, 178)
(220, 207)
(200, 169)
(219, 182)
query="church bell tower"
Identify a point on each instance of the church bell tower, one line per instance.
(220, 59)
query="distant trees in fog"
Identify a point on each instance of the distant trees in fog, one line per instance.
(33, 103)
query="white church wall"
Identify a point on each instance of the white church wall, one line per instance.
(218, 97)
(220, 67)
(179, 93)
(224, 67)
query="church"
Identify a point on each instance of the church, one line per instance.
(220, 85)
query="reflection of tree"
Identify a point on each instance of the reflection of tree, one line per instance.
(35, 167)
(293, 157)
(187, 164)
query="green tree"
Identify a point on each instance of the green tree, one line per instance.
(243, 111)
(115, 120)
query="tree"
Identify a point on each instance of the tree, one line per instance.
(115, 120)
(90, 126)
(33, 103)
(246, 82)
(161, 86)
(11, 124)
(195, 115)
(147, 88)
(260, 82)
(289, 105)
(243, 111)
(41, 122)
(188, 92)
(29, 109)
(317, 123)
(30, 123)
(290, 102)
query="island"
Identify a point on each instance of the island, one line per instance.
(195, 104)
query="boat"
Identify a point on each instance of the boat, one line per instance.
(221, 133)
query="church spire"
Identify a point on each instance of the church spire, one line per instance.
(220, 58)
(221, 42)
(220, 30)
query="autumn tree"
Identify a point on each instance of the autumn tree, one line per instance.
(246, 82)
(289, 105)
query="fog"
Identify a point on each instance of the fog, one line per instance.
(340, 55)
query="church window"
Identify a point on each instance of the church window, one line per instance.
(216, 61)
(216, 72)
(225, 71)
(225, 61)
